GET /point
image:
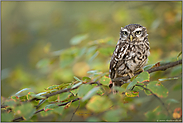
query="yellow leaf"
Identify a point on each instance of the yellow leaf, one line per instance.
(68, 105)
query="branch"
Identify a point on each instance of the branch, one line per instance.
(163, 67)
(62, 91)
(21, 118)
(55, 93)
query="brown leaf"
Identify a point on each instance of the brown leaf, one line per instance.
(177, 113)
(156, 65)
(68, 105)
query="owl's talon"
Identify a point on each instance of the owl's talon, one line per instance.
(113, 90)
(139, 71)
(131, 75)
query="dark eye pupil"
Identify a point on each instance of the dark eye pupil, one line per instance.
(125, 33)
(138, 32)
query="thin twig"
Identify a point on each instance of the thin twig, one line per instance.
(75, 111)
(156, 97)
(40, 103)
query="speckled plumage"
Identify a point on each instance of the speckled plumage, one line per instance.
(131, 52)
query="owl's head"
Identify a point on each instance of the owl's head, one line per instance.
(133, 32)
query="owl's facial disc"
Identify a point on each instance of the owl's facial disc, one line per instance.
(133, 34)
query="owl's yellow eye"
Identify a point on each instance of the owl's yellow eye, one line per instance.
(138, 32)
(125, 33)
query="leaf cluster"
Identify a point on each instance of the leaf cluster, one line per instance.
(88, 91)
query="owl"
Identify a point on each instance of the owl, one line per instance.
(131, 52)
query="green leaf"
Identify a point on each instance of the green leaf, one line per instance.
(76, 78)
(64, 96)
(75, 91)
(76, 85)
(10, 102)
(46, 113)
(23, 92)
(63, 85)
(26, 110)
(132, 94)
(96, 72)
(138, 88)
(148, 66)
(157, 88)
(87, 79)
(84, 89)
(172, 101)
(99, 103)
(167, 79)
(50, 107)
(147, 92)
(42, 93)
(43, 63)
(77, 39)
(114, 115)
(15, 97)
(39, 95)
(59, 110)
(90, 93)
(52, 87)
(125, 85)
(23, 98)
(52, 98)
(100, 91)
(7, 117)
(105, 80)
(144, 76)
(119, 89)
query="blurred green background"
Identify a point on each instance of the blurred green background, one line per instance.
(33, 31)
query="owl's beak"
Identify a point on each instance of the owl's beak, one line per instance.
(131, 38)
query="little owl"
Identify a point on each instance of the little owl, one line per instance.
(131, 52)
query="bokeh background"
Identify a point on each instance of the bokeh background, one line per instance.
(35, 33)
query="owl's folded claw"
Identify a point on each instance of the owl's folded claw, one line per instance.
(139, 71)
(131, 75)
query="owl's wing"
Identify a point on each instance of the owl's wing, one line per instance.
(117, 57)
